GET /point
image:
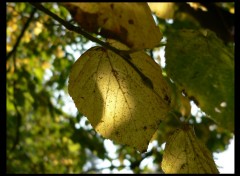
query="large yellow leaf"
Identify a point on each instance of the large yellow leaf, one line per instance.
(130, 23)
(184, 153)
(114, 97)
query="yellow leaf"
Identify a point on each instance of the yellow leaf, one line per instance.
(46, 65)
(9, 48)
(184, 153)
(129, 23)
(115, 98)
(14, 27)
(162, 10)
(38, 28)
(27, 37)
(197, 6)
(59, 53)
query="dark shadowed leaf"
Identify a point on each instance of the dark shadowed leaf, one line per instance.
(203, 67)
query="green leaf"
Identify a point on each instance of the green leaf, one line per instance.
(115, 98)
(203, 67)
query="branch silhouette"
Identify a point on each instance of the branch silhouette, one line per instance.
(21, 34)
(124, 54)
(79, 30)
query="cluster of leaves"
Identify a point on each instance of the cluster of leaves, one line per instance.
(41, 137)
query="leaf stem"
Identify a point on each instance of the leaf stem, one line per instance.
(124, 54)
(79, 30)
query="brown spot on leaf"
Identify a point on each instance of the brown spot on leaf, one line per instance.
(117, 133)
(115, 73)
(144, 128)
(183, 166)
(160, 121)
(130, 21)
(101, 49)
(120, 35)
(167, 99)
(112, 6)
(123, 31)
(105, 20)
(73, 10)
(87, 21)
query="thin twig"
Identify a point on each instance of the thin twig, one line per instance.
(18, 123)
(79, 30)
(18, 115)
(21, 34)
(122, 53)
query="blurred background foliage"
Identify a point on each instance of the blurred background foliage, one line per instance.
(44, 134)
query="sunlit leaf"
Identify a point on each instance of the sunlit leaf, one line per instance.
(130, 23)
(41, 138)
(185, 154)
(203, 67)
(38, 28)
(162, 10)
(115, 98)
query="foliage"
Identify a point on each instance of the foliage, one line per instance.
(107, 90)
(185, 154)
(208, 87)
(45, 137)
(118, 21)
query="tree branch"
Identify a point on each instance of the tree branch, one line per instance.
(79, 30)
(18, 124)
(122, 53)
(18, 114)
(22, 33)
